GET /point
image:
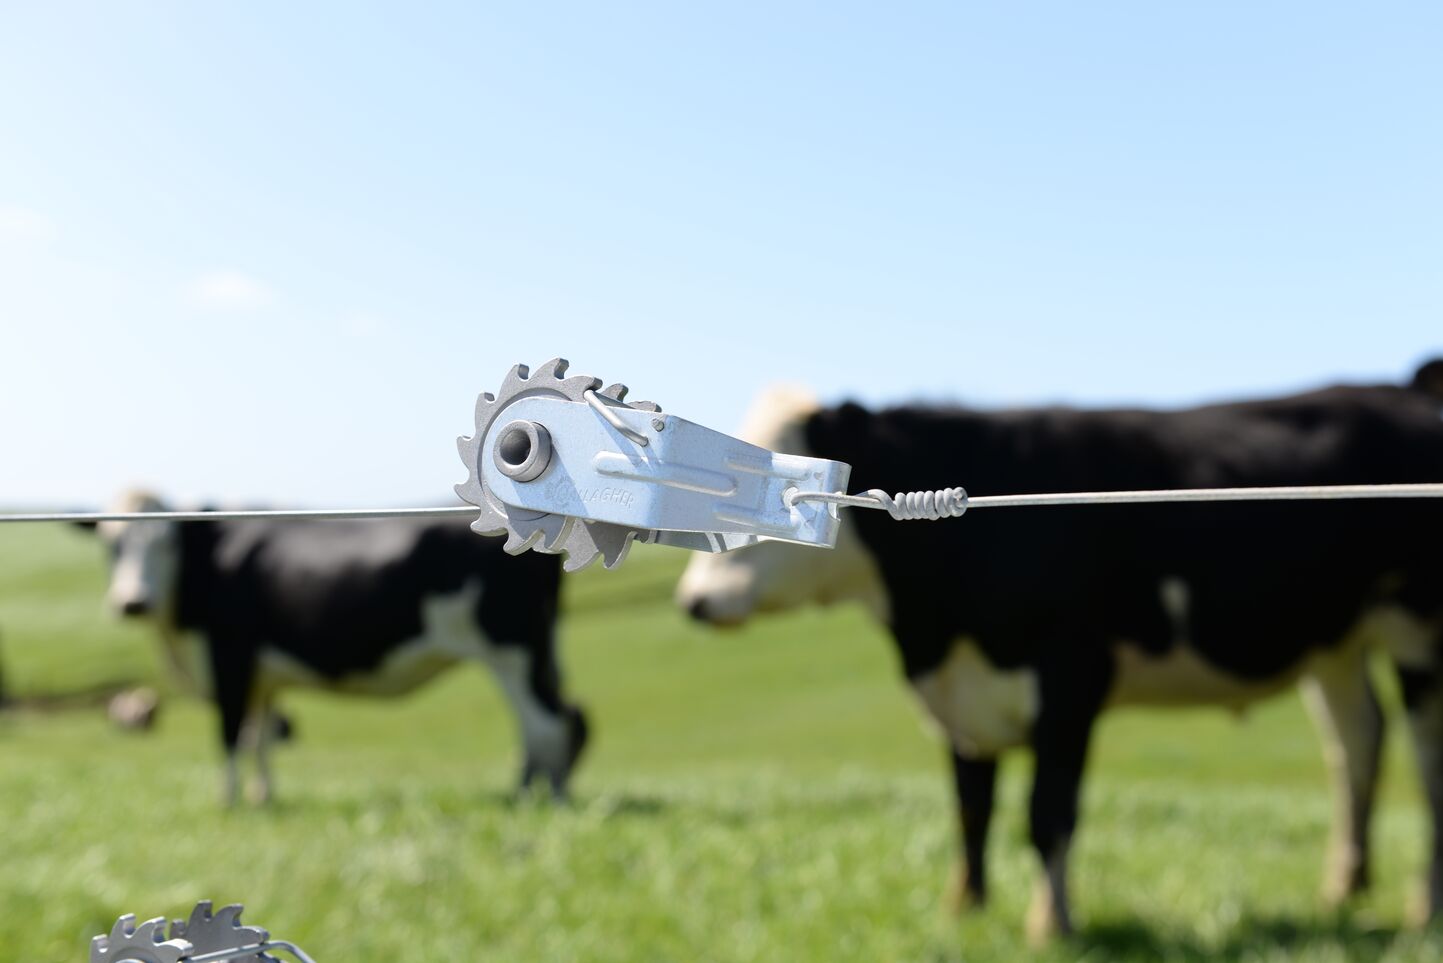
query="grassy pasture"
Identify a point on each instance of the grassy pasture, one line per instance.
(755, 795)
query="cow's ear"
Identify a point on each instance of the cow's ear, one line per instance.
(1429, 379)
(832, 431)
(853, 415)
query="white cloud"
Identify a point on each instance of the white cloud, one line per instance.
(228, 290)
(22, 224)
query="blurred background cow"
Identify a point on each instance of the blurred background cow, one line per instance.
(370, 607)
(1017, 627)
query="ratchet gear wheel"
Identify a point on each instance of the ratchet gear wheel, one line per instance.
(580, 540)
(145, 943)
(212, 933)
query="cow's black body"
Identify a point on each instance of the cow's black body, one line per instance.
(1270, 579)
(1053, 590)
(340, 598)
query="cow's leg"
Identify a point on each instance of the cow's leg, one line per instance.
(1417, 650)
(1340, 698)
(262, 789)
(1053, 819)
(519, 646)
(1423, 697)
(532, 688)
(263, 726)
(982, 710)
(976, 781)
(230, 734)
(233, 676)
(1071, 694)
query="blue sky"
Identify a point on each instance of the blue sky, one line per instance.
(273, 251)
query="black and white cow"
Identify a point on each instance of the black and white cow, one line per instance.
(368, 607)
(1017, 627)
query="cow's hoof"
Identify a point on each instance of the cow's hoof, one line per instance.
(962, 895)
(1345, 873)
(1342, 884)
(1046, 922)
(538, 792)
(1424, 909)
(134, 708)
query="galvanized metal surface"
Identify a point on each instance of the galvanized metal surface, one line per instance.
(689, 478)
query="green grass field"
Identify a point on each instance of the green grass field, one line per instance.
(769, 794)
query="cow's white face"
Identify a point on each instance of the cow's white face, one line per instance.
(144, 559)
(727, 588)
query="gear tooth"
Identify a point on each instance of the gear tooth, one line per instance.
(579, 385)
(516, 543)
(470, 490)
(515, 381)
(526, 533)
(98, 947)
(557, 534)
(549, 529)
(489, 523)
(555, 368)
(576, 561)
(484, 401)
(616, 392)
(611, 541)
(617, 555)
(467, 489)
(554, 537)
(651, 406)
(581, 549)
(253, 934)
(151, 931)
(202, 911)
(229, 915)
(124, 926)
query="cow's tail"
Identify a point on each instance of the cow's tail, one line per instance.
(1429, 380)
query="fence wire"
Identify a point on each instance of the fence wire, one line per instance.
(1141, 497)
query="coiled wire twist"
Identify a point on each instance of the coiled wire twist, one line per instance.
(903, 506)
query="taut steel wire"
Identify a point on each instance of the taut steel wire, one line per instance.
(871, 499)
